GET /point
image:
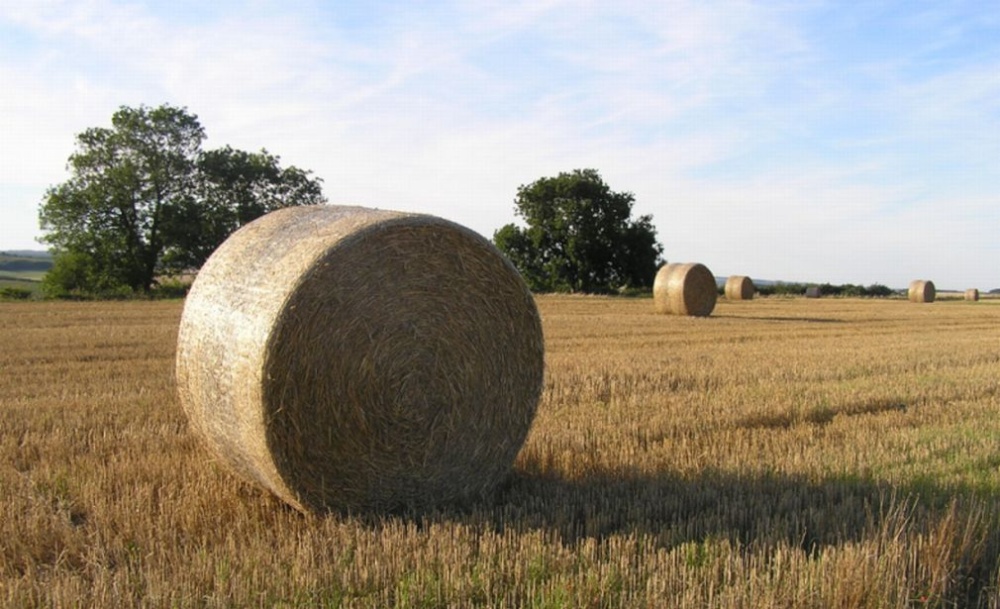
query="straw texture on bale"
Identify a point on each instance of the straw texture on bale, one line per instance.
(354, 359)
(684, 289)
(813, 292)
(972, 294)
(739, 287)
(922, 291)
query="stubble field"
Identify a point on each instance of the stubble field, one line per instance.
(781, 453)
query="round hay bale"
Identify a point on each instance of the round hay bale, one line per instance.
(814, 291)
(684, 289)
(972, 294)
(739, 287)
(355, 359)
(922, 291)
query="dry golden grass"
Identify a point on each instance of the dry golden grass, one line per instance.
(780, 453)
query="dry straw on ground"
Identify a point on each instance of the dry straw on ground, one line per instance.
(684, 289)
(922, 291)
(972, 294)
(739, 287)
(355, 359)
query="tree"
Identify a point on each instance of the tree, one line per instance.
(233, 187)
(144, 200)
(580, 236)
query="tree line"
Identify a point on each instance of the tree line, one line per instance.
(875, 290)
(144, 201)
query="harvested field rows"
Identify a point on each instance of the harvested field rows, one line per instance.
(780, 453)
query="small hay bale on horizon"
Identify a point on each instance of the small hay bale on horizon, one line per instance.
(364, 360)
(972, 294)
(814, 291)
(685, 289)
(739, 287)
(922, 291)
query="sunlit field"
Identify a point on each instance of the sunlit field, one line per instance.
(783, 452)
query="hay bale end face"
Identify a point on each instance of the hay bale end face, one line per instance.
(922, 291)
(355, 359)
(972, 294)
(739, 287)
(684, 289)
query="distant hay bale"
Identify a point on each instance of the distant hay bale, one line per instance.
(922, 291)
(813, 291)
(739, 287)
(684, 289)
(355, 359)
(972, 294)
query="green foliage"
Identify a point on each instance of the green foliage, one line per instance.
(78, 276)
(580, 237)
(875, 290)
(781, 289)
(13, 293)
(233, 188)
(171, 288)
(144, 200)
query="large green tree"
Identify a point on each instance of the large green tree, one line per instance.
(145, 200)
(233, 187)
(580, 236)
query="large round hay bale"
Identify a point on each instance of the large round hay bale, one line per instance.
(972, 294)
(814, 291)
(355, 359)
(739, 287)
(684, 289)
(922, 291)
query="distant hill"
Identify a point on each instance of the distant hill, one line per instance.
(27, 264)
(26, 254)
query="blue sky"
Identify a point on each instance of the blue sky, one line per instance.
(849, 142)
